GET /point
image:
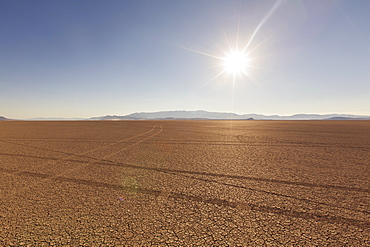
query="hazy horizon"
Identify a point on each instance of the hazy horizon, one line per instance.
(63, 59)
(203, 114)
(140, 112)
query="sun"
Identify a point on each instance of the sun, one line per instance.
(240, 57)
(236, 62)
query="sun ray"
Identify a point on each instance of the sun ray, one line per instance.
(200, 52)
(228, 43)
(211, 80)
(262, 22)
(260, 43)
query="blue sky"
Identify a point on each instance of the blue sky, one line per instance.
(93, 58)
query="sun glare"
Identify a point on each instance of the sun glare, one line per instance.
(238, 58)
(236, 62)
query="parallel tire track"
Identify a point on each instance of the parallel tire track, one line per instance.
(134, 144)
(83, 155)
(118, 142)
(210, 174)
(215, 201)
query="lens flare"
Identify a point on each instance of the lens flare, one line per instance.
(130, 185)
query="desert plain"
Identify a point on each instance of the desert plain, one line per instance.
(185, 183)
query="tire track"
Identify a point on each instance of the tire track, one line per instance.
(215, 201)
(166, 193)
(83, 163)
(83, 153)
(271, 193)
(115, 143)
(279, 143)
(134, 144)
(69, 171)
(218, 175)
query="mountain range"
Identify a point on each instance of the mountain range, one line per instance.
(206, 115)
(198, 115)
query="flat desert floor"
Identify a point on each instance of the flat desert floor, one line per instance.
(182, 183)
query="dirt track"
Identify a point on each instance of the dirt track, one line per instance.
(247, 183)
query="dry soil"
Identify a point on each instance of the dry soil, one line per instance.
(185, 183)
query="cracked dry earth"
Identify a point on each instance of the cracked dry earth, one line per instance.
(185, 183)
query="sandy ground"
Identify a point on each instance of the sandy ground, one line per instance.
(185, 183)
